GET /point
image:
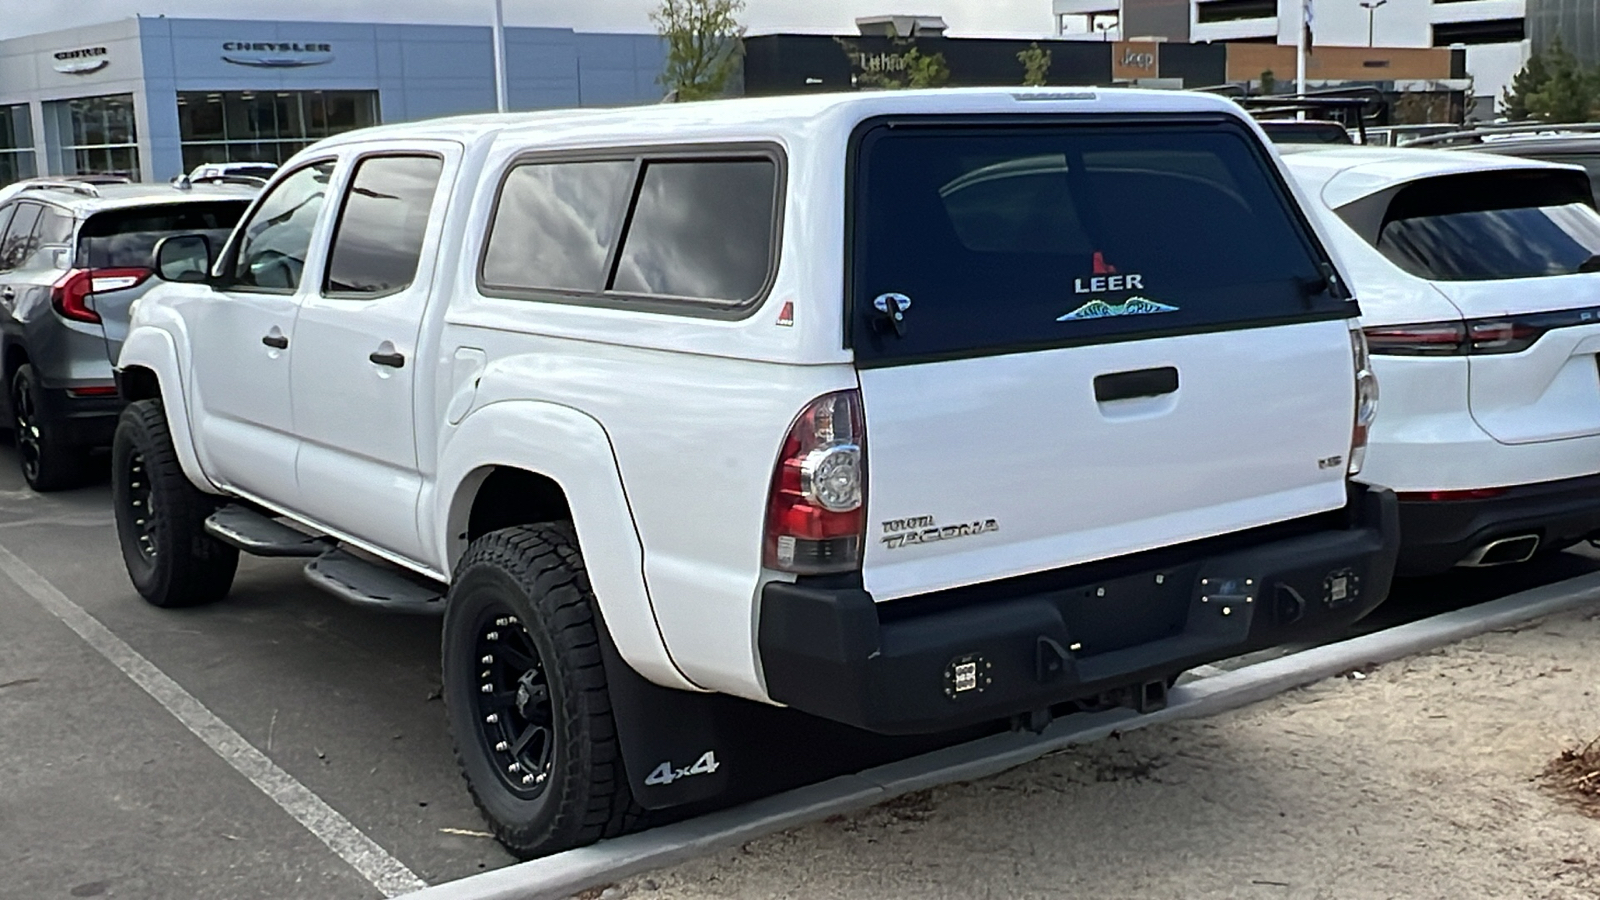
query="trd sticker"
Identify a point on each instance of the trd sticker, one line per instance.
(1100, 309)
(923, 530)
(667, 774)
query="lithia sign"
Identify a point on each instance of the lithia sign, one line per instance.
(81, 61)
(276, 54)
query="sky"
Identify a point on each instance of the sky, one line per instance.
(1028, 18)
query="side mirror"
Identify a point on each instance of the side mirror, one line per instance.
(183, 257)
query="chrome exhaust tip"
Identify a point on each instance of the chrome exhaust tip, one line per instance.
(1503, 551)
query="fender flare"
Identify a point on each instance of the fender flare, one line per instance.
(154, 349)
(572, 449)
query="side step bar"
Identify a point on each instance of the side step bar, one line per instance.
(373, 584)
(258, 535)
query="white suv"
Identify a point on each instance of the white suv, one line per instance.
(906, 410)
(1479, 279)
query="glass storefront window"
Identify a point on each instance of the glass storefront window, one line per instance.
(265, 126)
(16, 144)
(96, 135)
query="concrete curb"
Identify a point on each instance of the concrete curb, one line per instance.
(563, 874)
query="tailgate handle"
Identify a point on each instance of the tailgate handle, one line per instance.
(1137, 383)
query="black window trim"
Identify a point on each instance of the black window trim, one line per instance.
(230, 253)
(354, 164)
(640, 156)
(1285, 195)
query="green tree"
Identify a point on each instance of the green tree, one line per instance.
(704, 45)
(1514, 99)
(1568, 93)
(1035, 65)
(1269, 82)
(926, 70)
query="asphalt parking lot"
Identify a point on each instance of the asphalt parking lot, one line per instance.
(105, 793)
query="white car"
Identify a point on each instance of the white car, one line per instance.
(262, 170)
(1479, 283)
(907, 410)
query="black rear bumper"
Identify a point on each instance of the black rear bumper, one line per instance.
(1439, 534)
(945, 660)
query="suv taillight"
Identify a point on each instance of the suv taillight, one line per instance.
(816, 508)
(1474, 338)
(1366, 402)
(70, 294)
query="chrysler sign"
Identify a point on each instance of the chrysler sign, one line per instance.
(276, 54)
(82, 61)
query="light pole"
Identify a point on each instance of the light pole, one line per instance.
(1371, 6)
(500, 56)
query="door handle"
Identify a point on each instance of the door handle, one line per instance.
(276, 341)
(392, 360)
(1137, 383)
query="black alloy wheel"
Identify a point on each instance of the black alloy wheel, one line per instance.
(47, 464)
(516, 721)
(526, 697)
(161, 516)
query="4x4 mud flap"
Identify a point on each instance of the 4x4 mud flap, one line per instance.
(699, 750)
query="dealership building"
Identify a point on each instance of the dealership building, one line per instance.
(153, 97)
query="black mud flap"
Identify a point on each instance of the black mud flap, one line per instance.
(668, 737)
(700, 751)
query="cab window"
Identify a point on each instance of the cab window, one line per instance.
(274, 243)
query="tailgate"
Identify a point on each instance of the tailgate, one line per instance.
(1111, 338)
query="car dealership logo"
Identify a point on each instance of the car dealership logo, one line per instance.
(276, 54)
(81, 61)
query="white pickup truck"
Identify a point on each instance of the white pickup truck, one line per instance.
(908, 411)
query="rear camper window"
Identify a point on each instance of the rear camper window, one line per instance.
(1009, 238)
(1484, 226)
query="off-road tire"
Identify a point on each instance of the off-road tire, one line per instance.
(173, 562)
(47, 462)
(533, 577)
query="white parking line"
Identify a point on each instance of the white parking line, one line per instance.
(363, 854)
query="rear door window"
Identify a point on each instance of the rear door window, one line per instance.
(126, 238)
(1004, 239)
(1484, 226)
(378, 240)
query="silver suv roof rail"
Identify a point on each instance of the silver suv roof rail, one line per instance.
(85, 187)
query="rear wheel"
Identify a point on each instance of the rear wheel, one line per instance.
(526, 696)
(161, 516)
(48, 464)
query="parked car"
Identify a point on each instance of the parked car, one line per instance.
(1479, 279)
(74, 255)
(907, 410)
(1577, 145)
(262, 170)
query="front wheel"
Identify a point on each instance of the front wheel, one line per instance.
(526, 696)
(161, 516)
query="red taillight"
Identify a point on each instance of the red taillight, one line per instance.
(816, 508)
(1427, 339)
(92, 390)
(1445, 496)
(70, 294)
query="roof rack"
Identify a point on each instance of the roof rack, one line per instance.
(1484, 133)
(84, 188)
(1360, 102)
